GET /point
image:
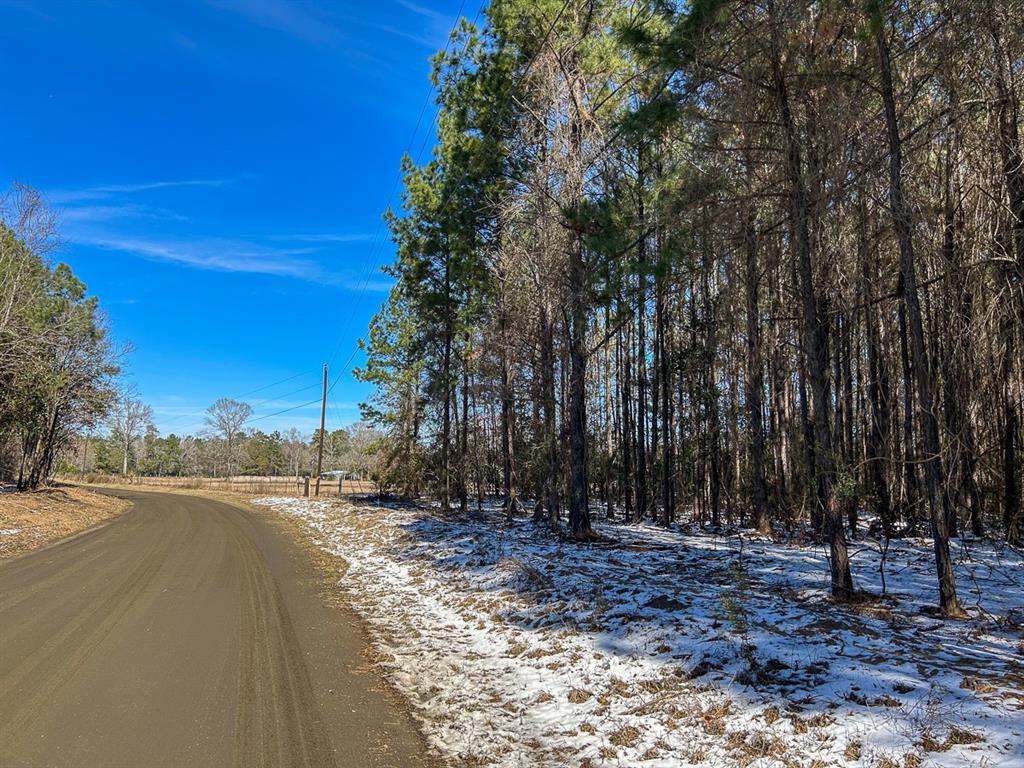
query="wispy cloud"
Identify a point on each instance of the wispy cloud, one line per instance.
(103, 191)
(184, 41)
(291, 18)
(427, 41)
(218, 254)
(230, 255)
(93, 213)
(429, 13)
(111, 218)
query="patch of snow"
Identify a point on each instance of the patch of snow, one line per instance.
(9, 531)
(675, 647)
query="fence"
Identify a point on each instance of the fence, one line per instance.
(264, 486)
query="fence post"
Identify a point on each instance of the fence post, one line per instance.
(305, 490)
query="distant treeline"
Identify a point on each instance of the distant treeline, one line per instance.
(255, 453)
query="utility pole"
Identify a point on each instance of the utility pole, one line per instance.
(323, 437)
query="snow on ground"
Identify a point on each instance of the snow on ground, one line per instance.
(9, 531)
(675, 647)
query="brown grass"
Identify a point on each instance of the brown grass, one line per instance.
(957, 736)
(627, 736)
(714, 717)
(51, 514)
(578, 696)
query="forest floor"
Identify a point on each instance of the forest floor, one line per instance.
(673, 647)
(33, 519)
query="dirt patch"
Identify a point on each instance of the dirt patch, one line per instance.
(33, 519)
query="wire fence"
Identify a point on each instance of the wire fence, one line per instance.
(268, 486)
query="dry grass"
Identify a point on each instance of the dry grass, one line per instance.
(51, 514)
(956, 737)
(578, 696)
(714, 717)
(627, 736)
(977, 685)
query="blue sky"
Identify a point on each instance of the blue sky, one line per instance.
(220, 168)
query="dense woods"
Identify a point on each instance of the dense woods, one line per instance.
(738, 263)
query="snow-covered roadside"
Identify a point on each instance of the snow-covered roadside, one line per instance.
(669, 648)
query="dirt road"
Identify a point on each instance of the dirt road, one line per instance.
(186, 633)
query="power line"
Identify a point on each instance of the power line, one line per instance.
(286, 410)
(366, 279)
(282, 397)
(380, 240)
(202, 414)
(437, 112)
(379, 236)
(268, 386)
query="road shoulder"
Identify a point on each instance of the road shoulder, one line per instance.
(34, 520)
(314, 572)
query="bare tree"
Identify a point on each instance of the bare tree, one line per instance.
(226, 417)
(295, 450)
(33, 229)
(128, 419)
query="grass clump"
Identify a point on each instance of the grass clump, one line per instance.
(627, 736)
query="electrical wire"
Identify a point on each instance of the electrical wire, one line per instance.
(268, 386)
(379, 238)
(525, 74)
(378, 248)
(286, 410)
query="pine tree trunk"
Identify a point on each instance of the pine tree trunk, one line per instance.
(878, 391)
(930, 428)
(754, 378)
(446, 418)
(464, 442)
(507, 438)
(579, 513)
(625, 441)
(1008, 112)
(641, 358)
(547, 366)
(815, 332)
